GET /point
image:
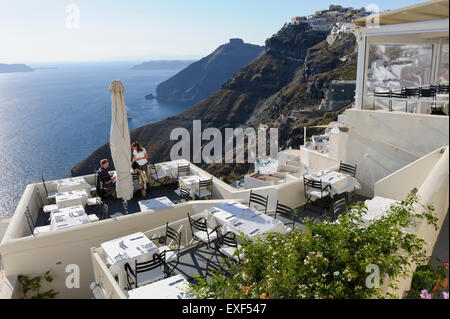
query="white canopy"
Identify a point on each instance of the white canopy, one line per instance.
(119, 142)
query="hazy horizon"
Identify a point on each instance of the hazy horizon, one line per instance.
(54, 31)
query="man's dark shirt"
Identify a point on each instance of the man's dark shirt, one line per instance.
(103, 175)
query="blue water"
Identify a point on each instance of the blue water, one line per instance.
(52, 118)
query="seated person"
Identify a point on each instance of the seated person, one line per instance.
(109, 183)
(139, 179)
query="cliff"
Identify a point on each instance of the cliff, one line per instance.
(293, 73)
(11, 68)
(202, 78)
(162, 65)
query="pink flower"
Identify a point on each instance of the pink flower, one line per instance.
(445, 295)
(425, 295)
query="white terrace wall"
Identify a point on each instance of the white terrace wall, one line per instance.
(54, 251)
(382, 142)
(434, 190)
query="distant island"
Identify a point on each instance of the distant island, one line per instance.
(11, 68)
(162, 65)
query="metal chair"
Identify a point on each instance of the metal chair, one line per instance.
(347, 169)
(384, 94)
(153, 175)
(182, 170)
(258, 200)
(204, 189)
(314, 192)
(152, 268)
(226, 245)
(339, 204)
(171, 242)
(51, 197)
(286, 212)
(201, 232)
(183, 195)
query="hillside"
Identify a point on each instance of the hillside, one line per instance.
(11, 68)
(162, 65)
(202, 78)
(292, 73)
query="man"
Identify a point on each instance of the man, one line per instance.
(109, 183)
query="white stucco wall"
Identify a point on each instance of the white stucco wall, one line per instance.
(382, 142)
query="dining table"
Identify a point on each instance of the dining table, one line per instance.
(168, 169)
(191, 183)
(127, 249)
(72, 198)
(242, 220)
(338, 182)
(71, 184)
(156, 204)
(68, 217)
(175, 287)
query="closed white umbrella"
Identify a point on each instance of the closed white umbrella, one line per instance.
(119, 142)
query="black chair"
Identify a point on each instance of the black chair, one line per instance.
(226, 245)
(204, 189)
(347, 169)
(315, 193)
(410, 93)
(182, 170)
(339, 204)
(151, 267)
(51, 197)
(99, 186)
(153, 175)
(201, 232)
(287, 213)
(137, 186)
(428, 93)
(29, 220)
(258, 200)
(183, 195)
(171, 242)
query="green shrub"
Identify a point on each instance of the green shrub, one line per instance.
(325, 260)
(424, 277)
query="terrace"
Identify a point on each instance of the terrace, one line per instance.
(393, 152)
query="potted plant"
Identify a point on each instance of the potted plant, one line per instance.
(428, 280)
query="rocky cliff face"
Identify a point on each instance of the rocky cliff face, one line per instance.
(291, 74)
(202, 78)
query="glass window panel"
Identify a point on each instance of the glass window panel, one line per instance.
(393, 66)
(443, 67)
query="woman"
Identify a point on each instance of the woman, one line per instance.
(140, 156)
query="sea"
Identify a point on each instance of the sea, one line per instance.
(52, 118)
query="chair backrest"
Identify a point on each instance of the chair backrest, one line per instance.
(347, 168)
(228, 239)
(286, 212)
(199, 224)
(213, 269)
(401, 95)
(431, 92)
(157, 261)
(258, 200)
(382, 93)
(29, 219)
(99, 186)
(339, 205)
(206, 183)
(185, 194)
(136, 184)
(173, 235)
(183, 170)
(104, 210)
(45, 187)
(410, 91)
(310, 183)
(153, 170)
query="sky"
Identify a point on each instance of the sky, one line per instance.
(139, 30)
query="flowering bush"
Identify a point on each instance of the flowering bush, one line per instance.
(325, 260)
(429, 280)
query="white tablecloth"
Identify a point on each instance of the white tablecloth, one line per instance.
(339, 182)
(160, 203)
(128, 249)
(175, 287)
(72, 198)
(191, 183)
(68, 217)
(376, 208)
(170, 168)
(238, 218)
(71, 184)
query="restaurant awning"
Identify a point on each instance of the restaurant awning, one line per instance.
(426, 11)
